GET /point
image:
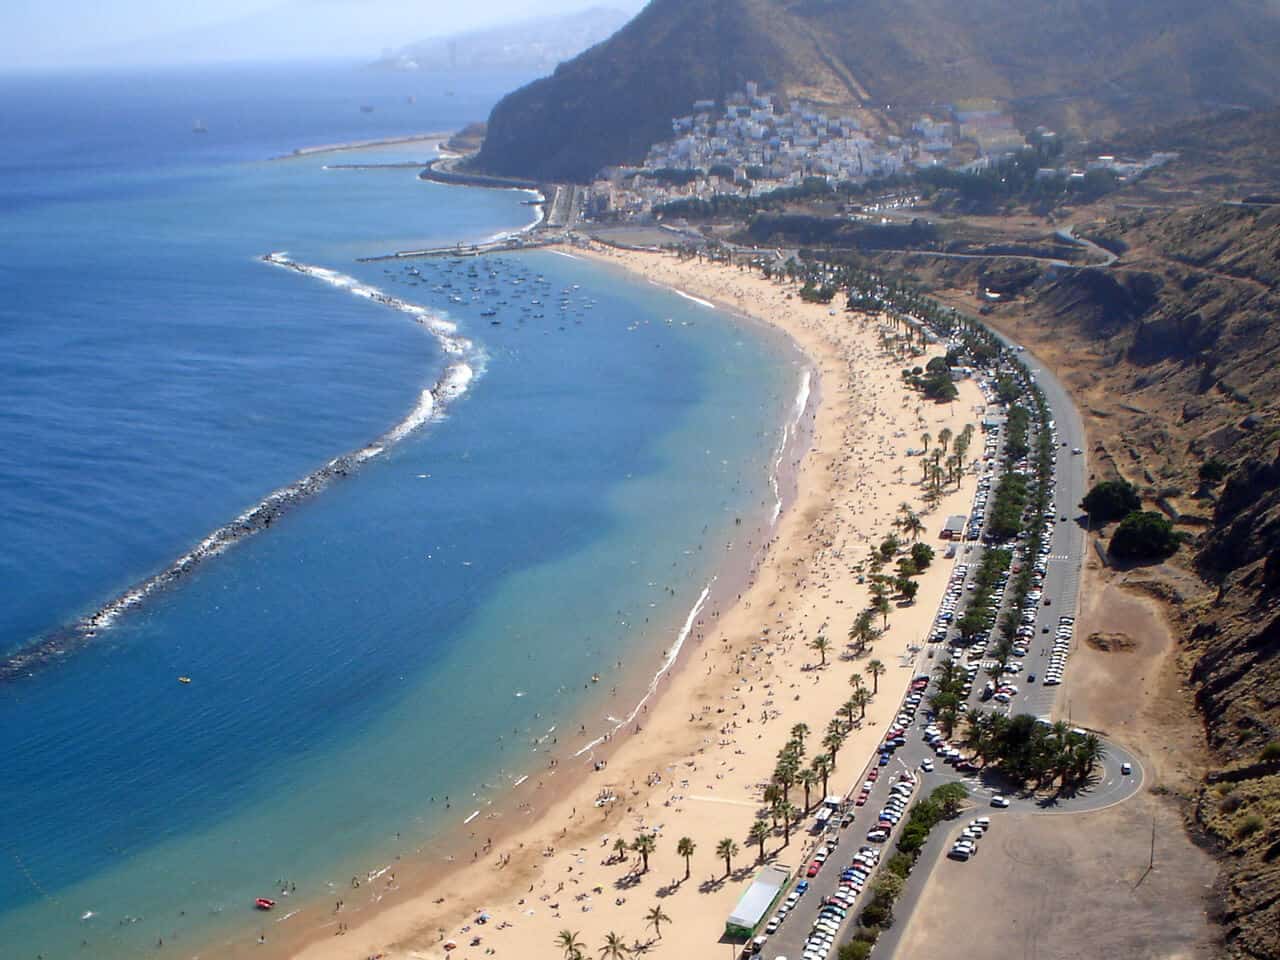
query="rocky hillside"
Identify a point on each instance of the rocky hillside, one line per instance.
(1174, 356)
(1085, 65)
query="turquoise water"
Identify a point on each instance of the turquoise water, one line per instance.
(412, 632)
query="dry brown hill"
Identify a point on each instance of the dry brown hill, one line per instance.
(1174, 357)
(1087, 65)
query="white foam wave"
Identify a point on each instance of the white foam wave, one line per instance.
(431, 405)
(668, 662)
(788, 429)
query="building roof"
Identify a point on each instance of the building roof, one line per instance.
(755, 903)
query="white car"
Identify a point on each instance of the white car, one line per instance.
(999, 801)
(926, 765)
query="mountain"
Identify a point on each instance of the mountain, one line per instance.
(531, 44)
(1092, 66)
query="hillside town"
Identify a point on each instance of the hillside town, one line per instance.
(757, 142)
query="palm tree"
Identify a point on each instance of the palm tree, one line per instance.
(1089, 752)
(882, 606)
(790, 814)
(913, 526)
(944, 438)
(620, 849)
(644, 844)
(568, 941)
(614, 947)
(833, 741)
(848, 707)
(925, 438)
(876, 669)
(807, 779)
(759, 834)
(785, 774)
(863, 632)
(798, 733)
(861, 697)
(685, 848)
(822, 767)
(656, 918)
(728, 849)
(822, 645)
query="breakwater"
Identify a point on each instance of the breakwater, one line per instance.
(465, 360)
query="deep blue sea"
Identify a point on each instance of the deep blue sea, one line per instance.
(415, 630)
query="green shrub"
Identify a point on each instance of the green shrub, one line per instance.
(1271, 751)
(854, 950)
(1249, 825)
(900, 864)
(1111, 500)
(1144, 536)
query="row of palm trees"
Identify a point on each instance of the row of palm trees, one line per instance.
(646, 844)
(614, 947)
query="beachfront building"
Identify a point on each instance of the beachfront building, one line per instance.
(757, 902)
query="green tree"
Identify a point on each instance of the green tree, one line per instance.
(1144, 536)
(822, 645)
(875, 669)
(759, 833)
(949, 797)
(614, 947)
(568, 941)
(1111, 500)
(656, 918)
(854, 950)
(798, 734)
(862, 698)
(620, 849)
(882, 606)
(685, 847)
(921, 555)
(863, 633)
(728, 849)
(790, 814)
(822, 767)
(808, 779)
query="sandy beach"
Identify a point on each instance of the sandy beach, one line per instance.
(697, 761)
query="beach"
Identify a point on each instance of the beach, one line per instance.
(696, 760)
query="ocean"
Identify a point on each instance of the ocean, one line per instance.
(540, 462)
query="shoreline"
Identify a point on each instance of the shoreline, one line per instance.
(438, 138)
(441, 857)
(655, 752)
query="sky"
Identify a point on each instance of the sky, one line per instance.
(39, 34)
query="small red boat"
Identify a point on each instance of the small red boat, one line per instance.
(262, 903)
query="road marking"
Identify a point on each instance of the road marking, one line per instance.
(736, 803)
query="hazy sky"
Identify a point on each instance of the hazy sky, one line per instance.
(60, 33)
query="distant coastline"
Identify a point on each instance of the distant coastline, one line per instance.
(437, 138)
